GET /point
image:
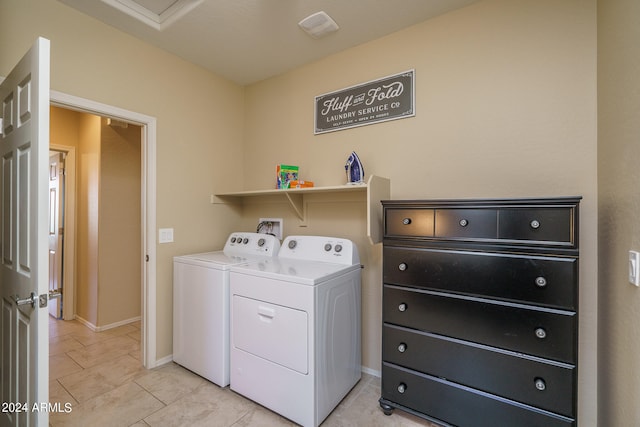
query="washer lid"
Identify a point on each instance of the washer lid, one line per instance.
(296, 271)
(216, 259)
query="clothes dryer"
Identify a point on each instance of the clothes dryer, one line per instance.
(201, 303)
(295, 327)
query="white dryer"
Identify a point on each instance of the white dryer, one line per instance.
(201, 303)
(295, 327)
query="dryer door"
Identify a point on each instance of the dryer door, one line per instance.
(272, 332)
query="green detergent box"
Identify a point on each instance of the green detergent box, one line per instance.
(285, 174)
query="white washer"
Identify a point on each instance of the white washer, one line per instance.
(295, 327)
(201, 303)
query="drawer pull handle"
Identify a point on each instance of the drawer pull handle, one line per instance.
(402, 347)
(541, 333)
(534, 224)
(541, 282)
(406, 221)
(463, 223)
(402, 388)
(402, 307)
(540, 384)
(403, 266)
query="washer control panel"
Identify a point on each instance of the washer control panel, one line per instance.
(320, 248)
(247, 243)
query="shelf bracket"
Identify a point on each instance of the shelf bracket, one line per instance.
(297, 203)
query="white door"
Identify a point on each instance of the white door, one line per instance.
(24, 159)
(56, 231)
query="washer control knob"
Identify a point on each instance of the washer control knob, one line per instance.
(245, 241)
(233, 239)
(338, 248)
(327, 247)
(261, 242)
(292, 244)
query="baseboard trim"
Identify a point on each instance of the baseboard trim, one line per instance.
(95, 328)
(371, 372)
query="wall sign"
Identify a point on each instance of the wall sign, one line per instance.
(388, 98)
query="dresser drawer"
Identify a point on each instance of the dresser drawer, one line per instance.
(547, 385)
(409, 222)
(467, 223)
(548, 225)
(459, 405)
(541, 332)
(543, 280)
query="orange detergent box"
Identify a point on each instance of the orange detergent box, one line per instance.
(300, 184)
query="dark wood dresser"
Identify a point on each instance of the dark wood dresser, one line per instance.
(480, 311)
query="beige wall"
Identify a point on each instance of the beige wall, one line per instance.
(200, 120)
(120, 225)
(505, 107)
(619, 203)
(64, 127)
(87, 204)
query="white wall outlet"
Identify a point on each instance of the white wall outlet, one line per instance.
(634, 268)
(165, 235)
(271, 226)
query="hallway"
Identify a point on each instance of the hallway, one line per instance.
(102, 377)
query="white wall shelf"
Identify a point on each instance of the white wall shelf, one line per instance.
(376, 188)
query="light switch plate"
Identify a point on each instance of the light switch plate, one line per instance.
(165, 235)
(634, 268)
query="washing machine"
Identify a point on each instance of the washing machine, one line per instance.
(295, 327)
(201, 303)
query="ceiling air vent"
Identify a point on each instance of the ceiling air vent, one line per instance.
(318, 25)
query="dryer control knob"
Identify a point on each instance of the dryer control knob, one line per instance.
(338, 248)
(261, 242)
(327, 247)
(292, 244)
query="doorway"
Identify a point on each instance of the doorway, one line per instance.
(108, 260)
(148, 213)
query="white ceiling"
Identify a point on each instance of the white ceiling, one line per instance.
(250, 40)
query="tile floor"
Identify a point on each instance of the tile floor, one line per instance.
(101, 376)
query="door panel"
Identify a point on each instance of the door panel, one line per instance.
(24, 149)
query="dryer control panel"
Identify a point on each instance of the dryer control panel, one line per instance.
(320, 248)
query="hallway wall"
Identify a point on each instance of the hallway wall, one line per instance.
(120, 231)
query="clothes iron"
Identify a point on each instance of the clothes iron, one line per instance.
(354, 169)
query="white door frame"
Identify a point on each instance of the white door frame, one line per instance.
(148, 125)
